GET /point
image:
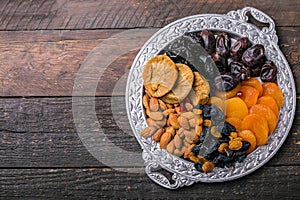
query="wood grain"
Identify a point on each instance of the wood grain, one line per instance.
(45, 63)
(268, 182)
(64, 14)
(41, 132)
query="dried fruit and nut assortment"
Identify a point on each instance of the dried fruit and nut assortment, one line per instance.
(213, 116)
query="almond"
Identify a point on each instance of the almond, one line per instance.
(181, 133)
(188, 106)
(174, 120)
(192, 122)
(171, 130)
(183, 122)
(149, 121)
(153, 105)
(159, 123)
(162, 105)
(156, 115)
(157, 135)
(169, 106)
(148, 131)
(188, 115)
(168, 111)
(178, 152)
(171, 147)
(190, 134)
(146, 101)
(177, 142)
(147, 111)
(165, 139)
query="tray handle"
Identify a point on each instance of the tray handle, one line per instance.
(162, 180)
(260, 17)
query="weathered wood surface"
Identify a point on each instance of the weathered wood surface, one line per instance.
(43, 44)
(105, 183)
(64, 14)
(47, 61)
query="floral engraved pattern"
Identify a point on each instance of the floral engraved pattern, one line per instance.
(235, 23)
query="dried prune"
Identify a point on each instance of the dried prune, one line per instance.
(209, 41)
(239, 156)
(226, 82)
(220, 61)
(223, 44)
(253, 55)
(198, 166)
(196, 149)
(240, 71)
(268, 72)
(238, 48)
(216, 114)
(245, 146)
(225, 128)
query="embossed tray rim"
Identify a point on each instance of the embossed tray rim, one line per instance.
(183, 171)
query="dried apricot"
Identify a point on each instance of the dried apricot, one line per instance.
(236, 107)
(253, 82)
(269, 101)
(274, 91)
(248, 136)
(267, 113)
(258, 125)
(235, 121)
(249, 95)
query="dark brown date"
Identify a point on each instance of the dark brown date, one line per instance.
(238, 48)
(268, 72)
(209, 41)
(254, 55)
(223, 44)
(240, 71)
(226, 82)
(220, 61)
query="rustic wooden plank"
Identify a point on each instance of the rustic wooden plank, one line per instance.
(93, 183)
(47, 61)
(41, 132)
(64, 14)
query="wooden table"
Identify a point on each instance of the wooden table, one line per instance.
(42, 47)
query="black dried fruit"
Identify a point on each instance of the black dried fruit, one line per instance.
(223, 44)
(209, 41)
(240, 71)
(198, 166)
(238, 48)
(221, 62)
(225, 128)
(239, 156)
(255, 71)
(246, 145)
(268, 72)
(196, 149)
(253, 55)
(226, 82)
(216, 114)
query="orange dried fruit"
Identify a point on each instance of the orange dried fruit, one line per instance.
(274, 91)
(159, 75)
(249, 95)
(258, 125)
(269, 101)
(217, 101)
(253, 82)
(235, 121)
(228, 94)
(182, 86)
(236, 107)
(248, 136)
(267, 113)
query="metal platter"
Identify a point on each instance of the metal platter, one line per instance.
(236, 23)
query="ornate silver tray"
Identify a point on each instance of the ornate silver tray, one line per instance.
(235, 23)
